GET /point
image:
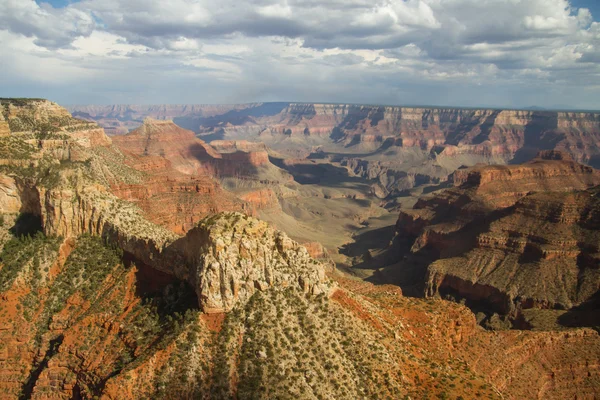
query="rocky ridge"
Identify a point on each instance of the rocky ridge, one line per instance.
(120, 119)
(225, 259)
(516, 237)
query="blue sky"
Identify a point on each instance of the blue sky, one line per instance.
(496, 53)
(592, 5)
(57, 3)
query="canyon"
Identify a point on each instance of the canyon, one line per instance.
(279, 249)
(397, 145)
(511, 237)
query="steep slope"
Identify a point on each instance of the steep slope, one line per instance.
(125, 332)
(510, 237)
(481, 132)
(397, 147)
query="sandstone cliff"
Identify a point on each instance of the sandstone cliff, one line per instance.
(186, 179)
(501, 133)
(512, 237)
(225, 259)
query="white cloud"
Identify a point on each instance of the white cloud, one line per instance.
(50, 27)
(274, 49)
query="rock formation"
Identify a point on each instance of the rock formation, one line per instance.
(225, 259)
(231, 256)
(397, 147)
(181, 172)
(515, 237)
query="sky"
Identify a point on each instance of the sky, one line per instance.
(472, 53)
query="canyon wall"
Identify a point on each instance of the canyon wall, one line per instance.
(226, 258)
(395, 147)
(516, 237)
(506, 133)
(79, 320)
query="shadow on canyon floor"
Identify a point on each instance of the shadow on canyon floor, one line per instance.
(325, 175)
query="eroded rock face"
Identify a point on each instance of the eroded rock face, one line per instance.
(10, 200)
(482, 131)
(186, 153)
(260, 199)
(177, 202)
(254, 154)
(177, 188)
(502, 185)
(231, 256)
(398, 147)
(498, 133)
(226, 258)
(494, 239)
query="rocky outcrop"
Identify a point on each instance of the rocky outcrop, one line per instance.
(512, 237)
(33, 110)
(48, 122)
(186, 153)
(180, 186)
(226, 258)
(389, 179)
(177, 202)
(248, 154)
(316, 250)
(260, 199)
(231, 256)
(10, 200)
(190, 155)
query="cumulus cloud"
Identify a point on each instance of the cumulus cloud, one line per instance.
(51, 28)
(399, 50)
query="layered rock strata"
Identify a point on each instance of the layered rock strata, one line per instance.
(226, 258)
(515, 237)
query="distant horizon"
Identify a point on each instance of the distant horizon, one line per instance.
(431, 106)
